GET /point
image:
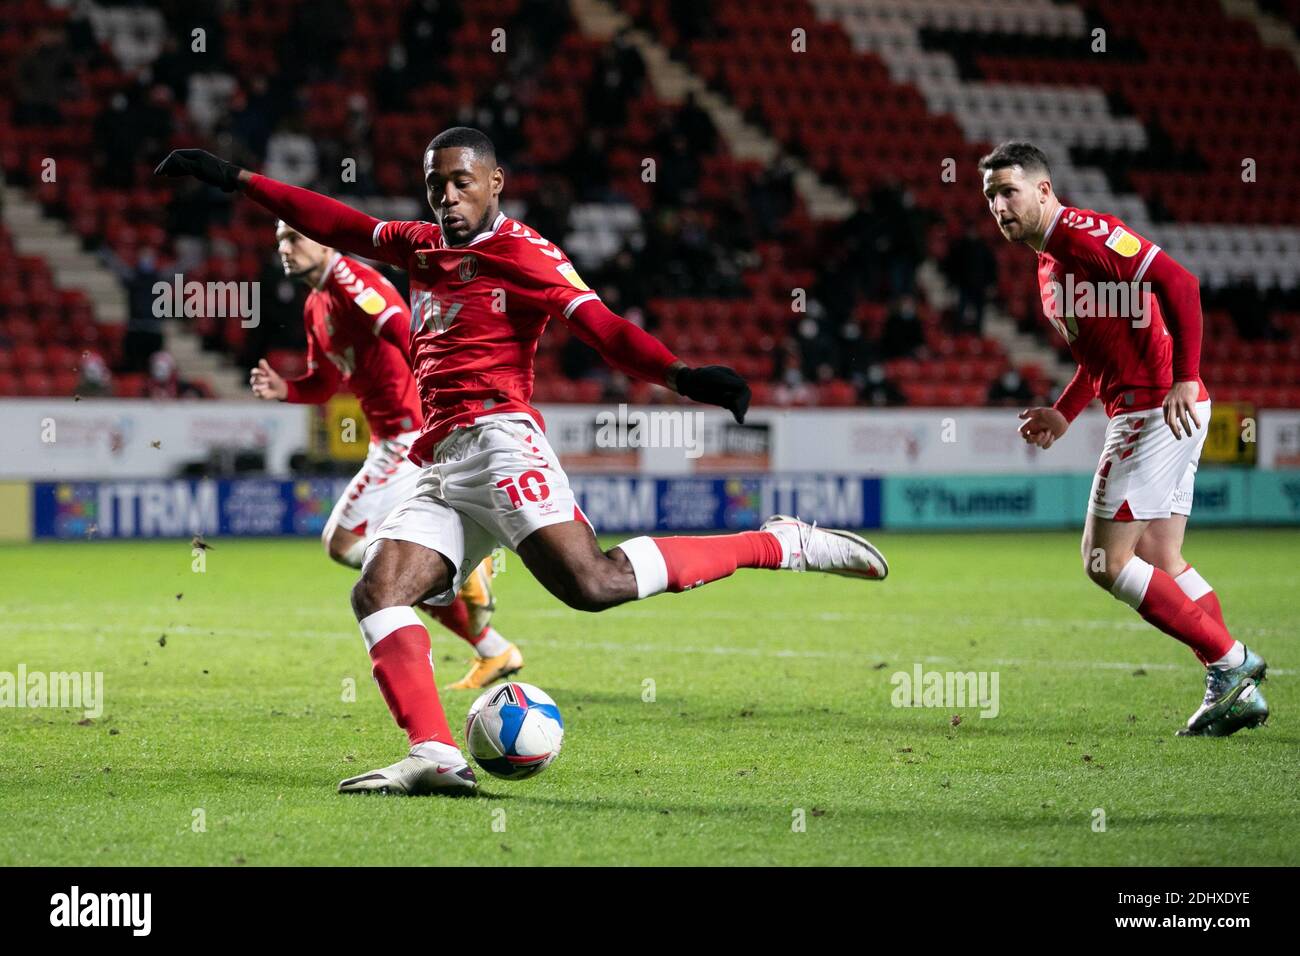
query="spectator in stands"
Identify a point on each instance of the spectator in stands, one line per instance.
(578, 359)
(281, 316)
(692, 19)
(136, 124)
(587, 167)
(393, 84)
(816, 347)
(320, 32)
(836, 288)
(79, 34)
(501, 116)
(886, 236)
(44, 77)
(548, 213)
(791, 386)
(695, 124)
(876, 390)
(678, 173)
(973, 270)
(94, 378)
(352, 145)
(144, 330)
(689, 261)
(1010, 389)
(615, 82)
(428, 27)
(857, 352)
(903, 335)
(624, 274)
(256, 108)
(1249, 310)
(172, 67)
(772, 197)
(164, 380)
(536, 29)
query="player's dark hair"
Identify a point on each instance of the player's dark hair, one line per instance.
(1013, 153)
(466, 137)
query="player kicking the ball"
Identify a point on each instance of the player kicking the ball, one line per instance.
(483, 288)
(1143, 363)
(357, 328)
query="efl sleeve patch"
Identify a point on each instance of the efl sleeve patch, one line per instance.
(1125, 243)
(571, 274)
(370, 301)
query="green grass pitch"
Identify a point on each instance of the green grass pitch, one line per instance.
(771, 703)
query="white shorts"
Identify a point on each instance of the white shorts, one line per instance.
(1145, 472)
(386, 479)
(495, 482)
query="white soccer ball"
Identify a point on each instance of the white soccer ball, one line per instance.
(514, 731)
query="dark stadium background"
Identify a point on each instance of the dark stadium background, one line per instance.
(788, 187)
(776, 168)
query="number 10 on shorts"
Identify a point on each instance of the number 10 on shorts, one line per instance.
(529, 486)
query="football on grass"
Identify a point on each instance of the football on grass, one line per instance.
(514, 731)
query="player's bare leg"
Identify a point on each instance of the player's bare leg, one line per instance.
(1113, 557)
(397, 575)
(569, 563)
(468, 616)
(1162, 546)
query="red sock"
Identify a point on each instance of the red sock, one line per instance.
(1168, 608)
(1209, 603)
(698, 560)
(1199, 590)
(401, 661)
(455, 618)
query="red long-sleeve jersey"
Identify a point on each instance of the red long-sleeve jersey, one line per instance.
(356, 325)
(477, 311)
(1129, 356)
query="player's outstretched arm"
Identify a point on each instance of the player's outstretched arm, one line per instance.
(636, 352)
(318, 217)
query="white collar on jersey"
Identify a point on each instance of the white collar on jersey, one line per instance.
(485, 234)
(329, 267)
(1048, 235)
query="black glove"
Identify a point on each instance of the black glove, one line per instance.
(202, 165)
(715, 385)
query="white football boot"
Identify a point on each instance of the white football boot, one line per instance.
(810, 548)
(429, 768)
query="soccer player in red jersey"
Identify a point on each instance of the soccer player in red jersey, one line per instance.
(357, 327)
(483, 288)
(1132, 318)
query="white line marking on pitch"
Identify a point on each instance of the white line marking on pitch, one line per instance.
(620, 646)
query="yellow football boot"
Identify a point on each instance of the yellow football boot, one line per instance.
(485, 670)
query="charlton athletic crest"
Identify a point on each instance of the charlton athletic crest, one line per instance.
(468, 268)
